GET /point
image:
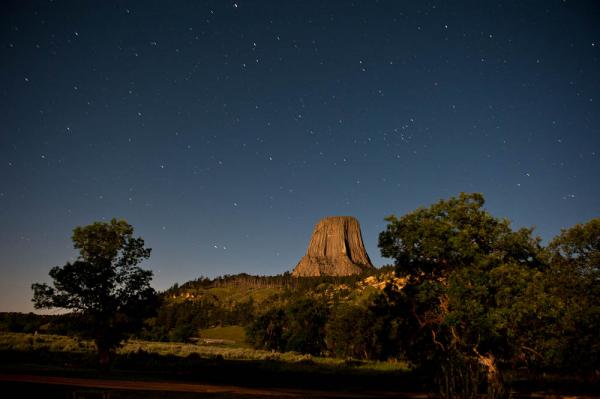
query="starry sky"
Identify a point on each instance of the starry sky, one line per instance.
(224, 130)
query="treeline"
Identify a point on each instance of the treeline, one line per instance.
(65, 324)
(244, 280)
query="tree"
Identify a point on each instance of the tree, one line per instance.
(579, 247)
(305, 326)
(299, 327)
(573, 282)
(350, 331)
(183, 333)
(266, 331)
(455, 321)
(363, 330)
(104, 286)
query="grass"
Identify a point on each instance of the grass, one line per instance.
(228, 364)
(230, 294)
(260, 295)
(52, 343)
(214, 364)
(58, 343)
(61, 392)
(235, 334)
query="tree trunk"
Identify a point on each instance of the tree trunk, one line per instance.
(104, 354)
(495, 382)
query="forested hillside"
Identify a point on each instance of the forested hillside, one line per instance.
(239, 299)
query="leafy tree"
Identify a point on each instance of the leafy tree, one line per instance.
(455, 320)
(182, 333)
(299, 327)
(266, 332)
(573, 283)
(579, 248)
(305, 327)
(104, 286)
(348, 332)
(363, 330)
(242, 313)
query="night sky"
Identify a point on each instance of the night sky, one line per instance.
(223, 131)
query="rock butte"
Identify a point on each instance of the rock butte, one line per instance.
(336, 249)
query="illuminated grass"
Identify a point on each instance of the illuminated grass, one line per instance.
(235, 334)
(59, 343)
(53, 343)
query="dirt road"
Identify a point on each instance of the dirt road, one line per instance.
(168, 386)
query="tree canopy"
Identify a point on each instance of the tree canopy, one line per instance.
(454, 233)
(104, 286)
(465, 269)
(573, 284)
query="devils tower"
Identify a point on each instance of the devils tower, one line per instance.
(336, 249)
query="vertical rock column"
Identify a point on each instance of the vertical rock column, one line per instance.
(336, 249)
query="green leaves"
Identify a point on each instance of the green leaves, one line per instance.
(299, 327)
(466, 270)
(579, 247)
(480, 292)
(451, 234)
(572, 282)
(104, 285)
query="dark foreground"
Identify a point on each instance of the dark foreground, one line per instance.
(44, 374)
(88, 388)
(41, 373)
(48, 386)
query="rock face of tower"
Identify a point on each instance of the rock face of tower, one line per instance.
(336, 249)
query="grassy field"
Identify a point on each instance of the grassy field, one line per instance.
(229, 364)
(200, 363)
(53, 343)
(237, 351)
(233, 334)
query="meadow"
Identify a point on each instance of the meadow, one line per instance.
(229, 349)
(226, 363)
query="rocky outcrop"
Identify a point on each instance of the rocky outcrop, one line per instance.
(336, 249)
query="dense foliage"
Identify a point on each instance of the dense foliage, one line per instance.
(364, 330)
(299, 327)
(108, 293)
(573, 285)
(61, 324)
(180, 321)
(481, 297)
